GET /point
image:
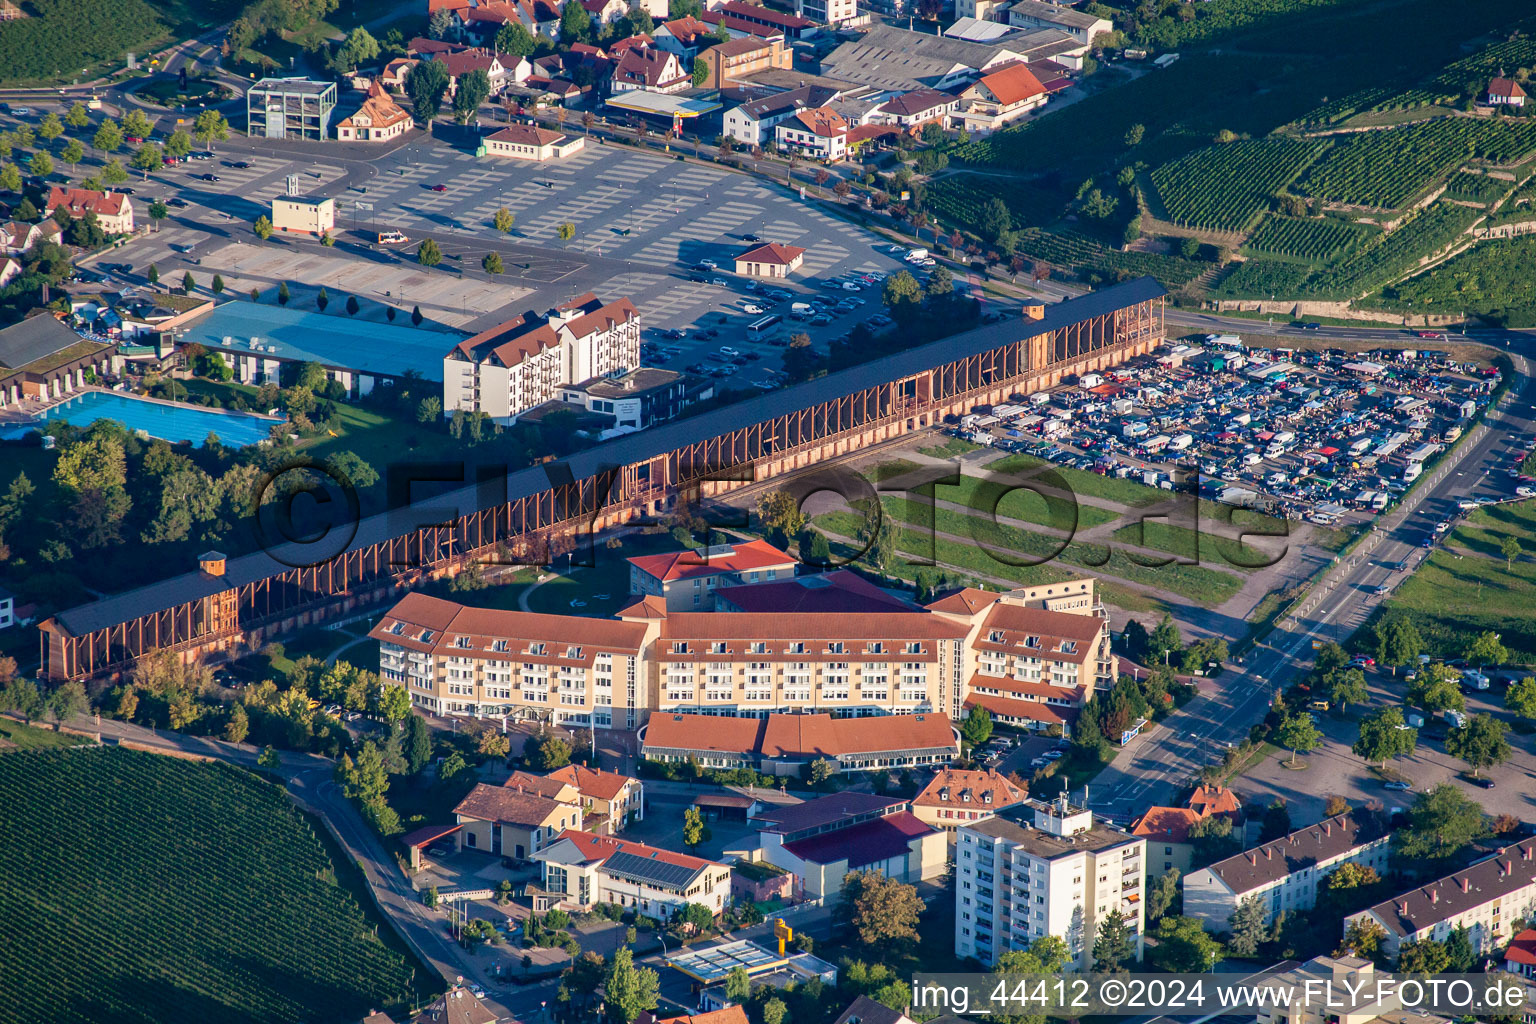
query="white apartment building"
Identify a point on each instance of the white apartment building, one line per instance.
(1044, 869)
(828, 12)
(510, 368)
(1485, 898)
(819, 134)
(1284, 873)
(752, 123)
(590, 869)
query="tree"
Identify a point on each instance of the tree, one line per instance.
(77, 117)
(1362, 938)
(1249, 929)
(628, 991)
(1460, 954)
(218, 285)
(51, 127)
(113, 172)
(774, 1011)
(1423, 956)
(137, 124)
(41, 164)
(179, 144)
(567, 230)
(1348, 687)
(514, 38)
(1521, 698)
(1112, 950)
(1277, 821)
(108, 137)
(210, 126)
(473, 89)
(1398, 643)
(270, 759)
(491, 263)
(1434, 690)
(1165, 638)
(940, 286)
(358, 48)
(10, 178)
(493, 745)
(779, 512)
(1480, 743)
(283, 295)
(238, 726)
(428, 254)
(147, 158)
(1183, 947)
(1509, 547)
(738, 986)
(1486, 649)
(417, 747)
(504, 220)
(880, 910)
(546, 752)
(426, 85)
(901, 295)
(977, 727)
(575, 22)
(1135, 134)
(700, 71)
(1212, 838)
(263, 229)
(1440, 822)
(1383, 736)
(394, 702)
(153, 274)
(323, 299)
(693, 827)
(158, 211)
(72, 153)
(1299, 734)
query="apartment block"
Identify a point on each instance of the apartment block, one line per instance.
(1284, 873)
(1044, 869)
(508, 369)
(687, 579)
(1486, 898)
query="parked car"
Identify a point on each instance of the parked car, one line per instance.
(1398, 784)
(1481, 782)
(439, 187)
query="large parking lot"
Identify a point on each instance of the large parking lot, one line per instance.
(642, 225)
(1323, 435)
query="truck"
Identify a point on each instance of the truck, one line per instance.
(392, 238)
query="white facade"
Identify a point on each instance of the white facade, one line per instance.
(576, 864)
(828, 12)
(1044, 869)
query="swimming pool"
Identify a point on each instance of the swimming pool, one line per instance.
(157, 419)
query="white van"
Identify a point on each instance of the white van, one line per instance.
(800, 307)
(916, 255)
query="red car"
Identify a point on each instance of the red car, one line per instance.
(439, 187)
(133, 138)
(1436, 335)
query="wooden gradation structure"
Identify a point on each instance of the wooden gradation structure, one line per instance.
(546, 508)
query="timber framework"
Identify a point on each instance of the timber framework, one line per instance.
(240, 604)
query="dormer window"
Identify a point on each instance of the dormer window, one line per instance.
(1069, 647)
(718, 647)
(995, 637)
(758, 647)
(986, 797)
(427, 635)
(536, 649)
(914, 648)
(876, 647)
(835, 646)
(680, 647)
(500, 646)
(796, 648)
(461, 642)
(1032, 641)
(965, 796)
(573, 653)
(397, 629)
(944, 793)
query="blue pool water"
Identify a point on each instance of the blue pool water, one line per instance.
(157, 419)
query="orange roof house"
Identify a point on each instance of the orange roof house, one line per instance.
(686, 579)
(770, 260)
(783, 743)
(956, 796)
(379, 119)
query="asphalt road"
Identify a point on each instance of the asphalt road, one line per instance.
(1156, 764)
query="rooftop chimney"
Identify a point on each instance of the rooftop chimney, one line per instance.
(1327, 828)
(1434, 896)
(1466, 884)
(1269, 853)
(1034, 311)
(1402, 907)
(1253, 858)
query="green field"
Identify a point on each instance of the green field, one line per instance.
(983, 494)
(1310, 239)
(1395, 254)
(1492, 279)
(1124, 492)
(958, 200)
(1184, 542)
(144, 888)
(65, 36)
(1477, 188)
(1261, 278)
(1464, 587)
(1226, 188)
(16, 736)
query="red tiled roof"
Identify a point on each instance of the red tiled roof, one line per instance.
(1013, 84)
(865, 132)
(80, 201)
(447, 620)
(686, 564)
(507, 806)
(630, 42)
(648, 607)
(527, 135)
(1505, 88)
(966, 601)
(918, 101)
(1025, 688)
(379, 108)
(648, 67)
(1167, 824)
(823, 121)
(1522, 948)
(867, 843)
(730, 1015)
(956, 781)
(800, 736)
(772, 252)
(759, 13)
(722, 734)
(841, 591)
(600, 848)
(462, 62)
(1208, 800)
(846, 627)
(540, 785)
(1031, 710)
(686, 29)
(599, 785)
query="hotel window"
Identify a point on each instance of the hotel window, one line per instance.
(718, 647)
(835, 647)
(536, 649)
(680, 647)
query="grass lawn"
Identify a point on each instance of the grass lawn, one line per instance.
(185, 891)
(1465, 588)
(983, 494)
(951, 447)
(14, 735)
(1126, 492)
(1205, 547)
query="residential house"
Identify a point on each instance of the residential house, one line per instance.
(770, 260)
(396, 72)
(823, 839)
(1505, 92)
(731, 61)
(1519, 955)
(18, 236)
(752, 123)
(1166, 829)
(998, 98)
(1284, 873)
(653, 70)
(113, 210)
(10, 270)
(461, 62)
(684, 37)
(1209, 799)
(511, 821)
(828, 12)
(687, 579)
(1041, 869)
(481, 23)
(785, 744)
(530, 142)
(608, 799)
(820, 133)
(913, 110)
(1336, 990)
(865, 1010)
(510, 368)
(590, 869)
(379, 119)
(957, 796)
(605, 12)
(1486, 898)
(459, 1005)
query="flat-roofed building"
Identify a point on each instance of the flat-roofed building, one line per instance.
(821, 840)
(587, 869)
(290, 108)
(729, 61)
(635, 400)
(42, 359)
(305, 215)
(1284, 873)
(1335, 990)
(1486, 898)
(1041, 869)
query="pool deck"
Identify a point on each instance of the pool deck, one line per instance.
(30, 410)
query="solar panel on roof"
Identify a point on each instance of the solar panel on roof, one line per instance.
(645, 869)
